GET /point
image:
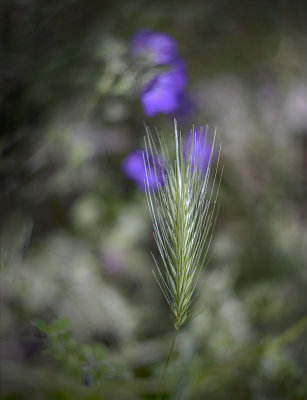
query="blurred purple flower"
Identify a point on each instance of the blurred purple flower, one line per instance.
(86, 380)
(164, 92)
(197, 149)
(156, 46)
(185, 108)
(133, 167)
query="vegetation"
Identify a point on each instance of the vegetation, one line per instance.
(82, 316)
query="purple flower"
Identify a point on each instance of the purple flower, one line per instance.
(156, 46)
(163, 93)
(197, 149)
(185, 108)
(133, 167)
(86, 380)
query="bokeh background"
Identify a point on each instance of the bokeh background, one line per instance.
(81, 314)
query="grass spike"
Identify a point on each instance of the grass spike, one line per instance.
(184, 212)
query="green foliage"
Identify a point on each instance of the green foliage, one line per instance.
(58, 325)
(87, 362)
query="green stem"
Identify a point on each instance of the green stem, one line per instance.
(166, 365)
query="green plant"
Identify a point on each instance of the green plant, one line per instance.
(184, 211)
(88, 363)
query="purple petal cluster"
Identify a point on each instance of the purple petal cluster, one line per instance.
(197, 149)
(133, 168)
(156, 47)
(164, 92)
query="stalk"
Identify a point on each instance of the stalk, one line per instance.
(183, 211)
(167, 364)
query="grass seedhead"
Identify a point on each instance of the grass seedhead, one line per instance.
(183, 211)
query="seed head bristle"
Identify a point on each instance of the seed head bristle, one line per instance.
(183, 211)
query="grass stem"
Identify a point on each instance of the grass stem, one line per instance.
(166, 365)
